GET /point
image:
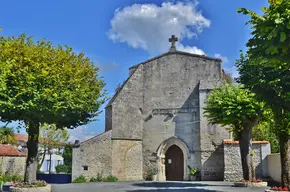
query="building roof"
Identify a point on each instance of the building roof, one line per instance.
(21, 137)
(157, 57)
(8, 150)
(100, 137)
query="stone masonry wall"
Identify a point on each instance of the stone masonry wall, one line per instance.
(232, 160)
(171, 82)
(127, 159)
(12, 165)
(127, 119)
(96, 154)
(211, 137)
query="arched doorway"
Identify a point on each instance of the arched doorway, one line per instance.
(174, 164)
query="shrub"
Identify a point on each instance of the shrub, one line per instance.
(97, 179)
(80, 179)
(61, 168)
(110, 178)
(192, 171)
(12, 178)
(152, 171)
(38, 183)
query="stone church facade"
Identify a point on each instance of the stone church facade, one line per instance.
(155, 120)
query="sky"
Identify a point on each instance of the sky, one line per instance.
(118, 34)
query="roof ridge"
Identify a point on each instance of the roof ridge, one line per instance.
(96, 136)
(178, 52)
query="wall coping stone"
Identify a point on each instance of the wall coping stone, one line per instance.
(237, 142)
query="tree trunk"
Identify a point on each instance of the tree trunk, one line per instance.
(285, 160)
(32, 146)
(246, 154)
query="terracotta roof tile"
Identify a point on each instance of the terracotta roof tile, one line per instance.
(237, 142)
(8, 150)
(21, 137)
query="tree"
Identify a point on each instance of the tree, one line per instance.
(232, 105)
(265, 130)
(7, 136)
(265, 70)
(67, 157)
(50, 137)
(41, 83)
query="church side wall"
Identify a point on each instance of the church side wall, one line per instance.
(127, 110)
(96, 154)
(127, 164)
(171, 85)
(211, 138)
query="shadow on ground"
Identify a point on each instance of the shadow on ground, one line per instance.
(174, 190)
(174, 187)
(176, 184)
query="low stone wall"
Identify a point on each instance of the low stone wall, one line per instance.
(36, 189)
(12, 165)
(232, 159)
(274, 166)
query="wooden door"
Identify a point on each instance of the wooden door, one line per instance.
(174, 169)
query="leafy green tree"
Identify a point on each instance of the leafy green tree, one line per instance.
(265, 131)
(232, 105)
(7, 136)
(41, 83)
(50, 137)
(67, 157)
(265, 70)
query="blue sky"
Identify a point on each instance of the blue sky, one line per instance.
(119, 34)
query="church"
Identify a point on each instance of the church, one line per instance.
(155, 122)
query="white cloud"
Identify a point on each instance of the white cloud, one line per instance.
(189, 49)
(149, 26)
(223, 58)
(80, 133)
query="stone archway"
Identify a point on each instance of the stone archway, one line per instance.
(165, 148)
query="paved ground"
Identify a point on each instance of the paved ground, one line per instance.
(153, 187)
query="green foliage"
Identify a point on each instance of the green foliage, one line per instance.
(110, 178)
(35, 184)
(80, 179)
(43, 83)
(232, 105)
(7, 136)
(51, 136)
(99, 178)
(67, 157)
(151, 171)
(270, 31)
(192, 171)
(265, 69)
(265, 131)
(61, 168)
(12, 178)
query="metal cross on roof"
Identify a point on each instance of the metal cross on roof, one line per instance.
(173, 39)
